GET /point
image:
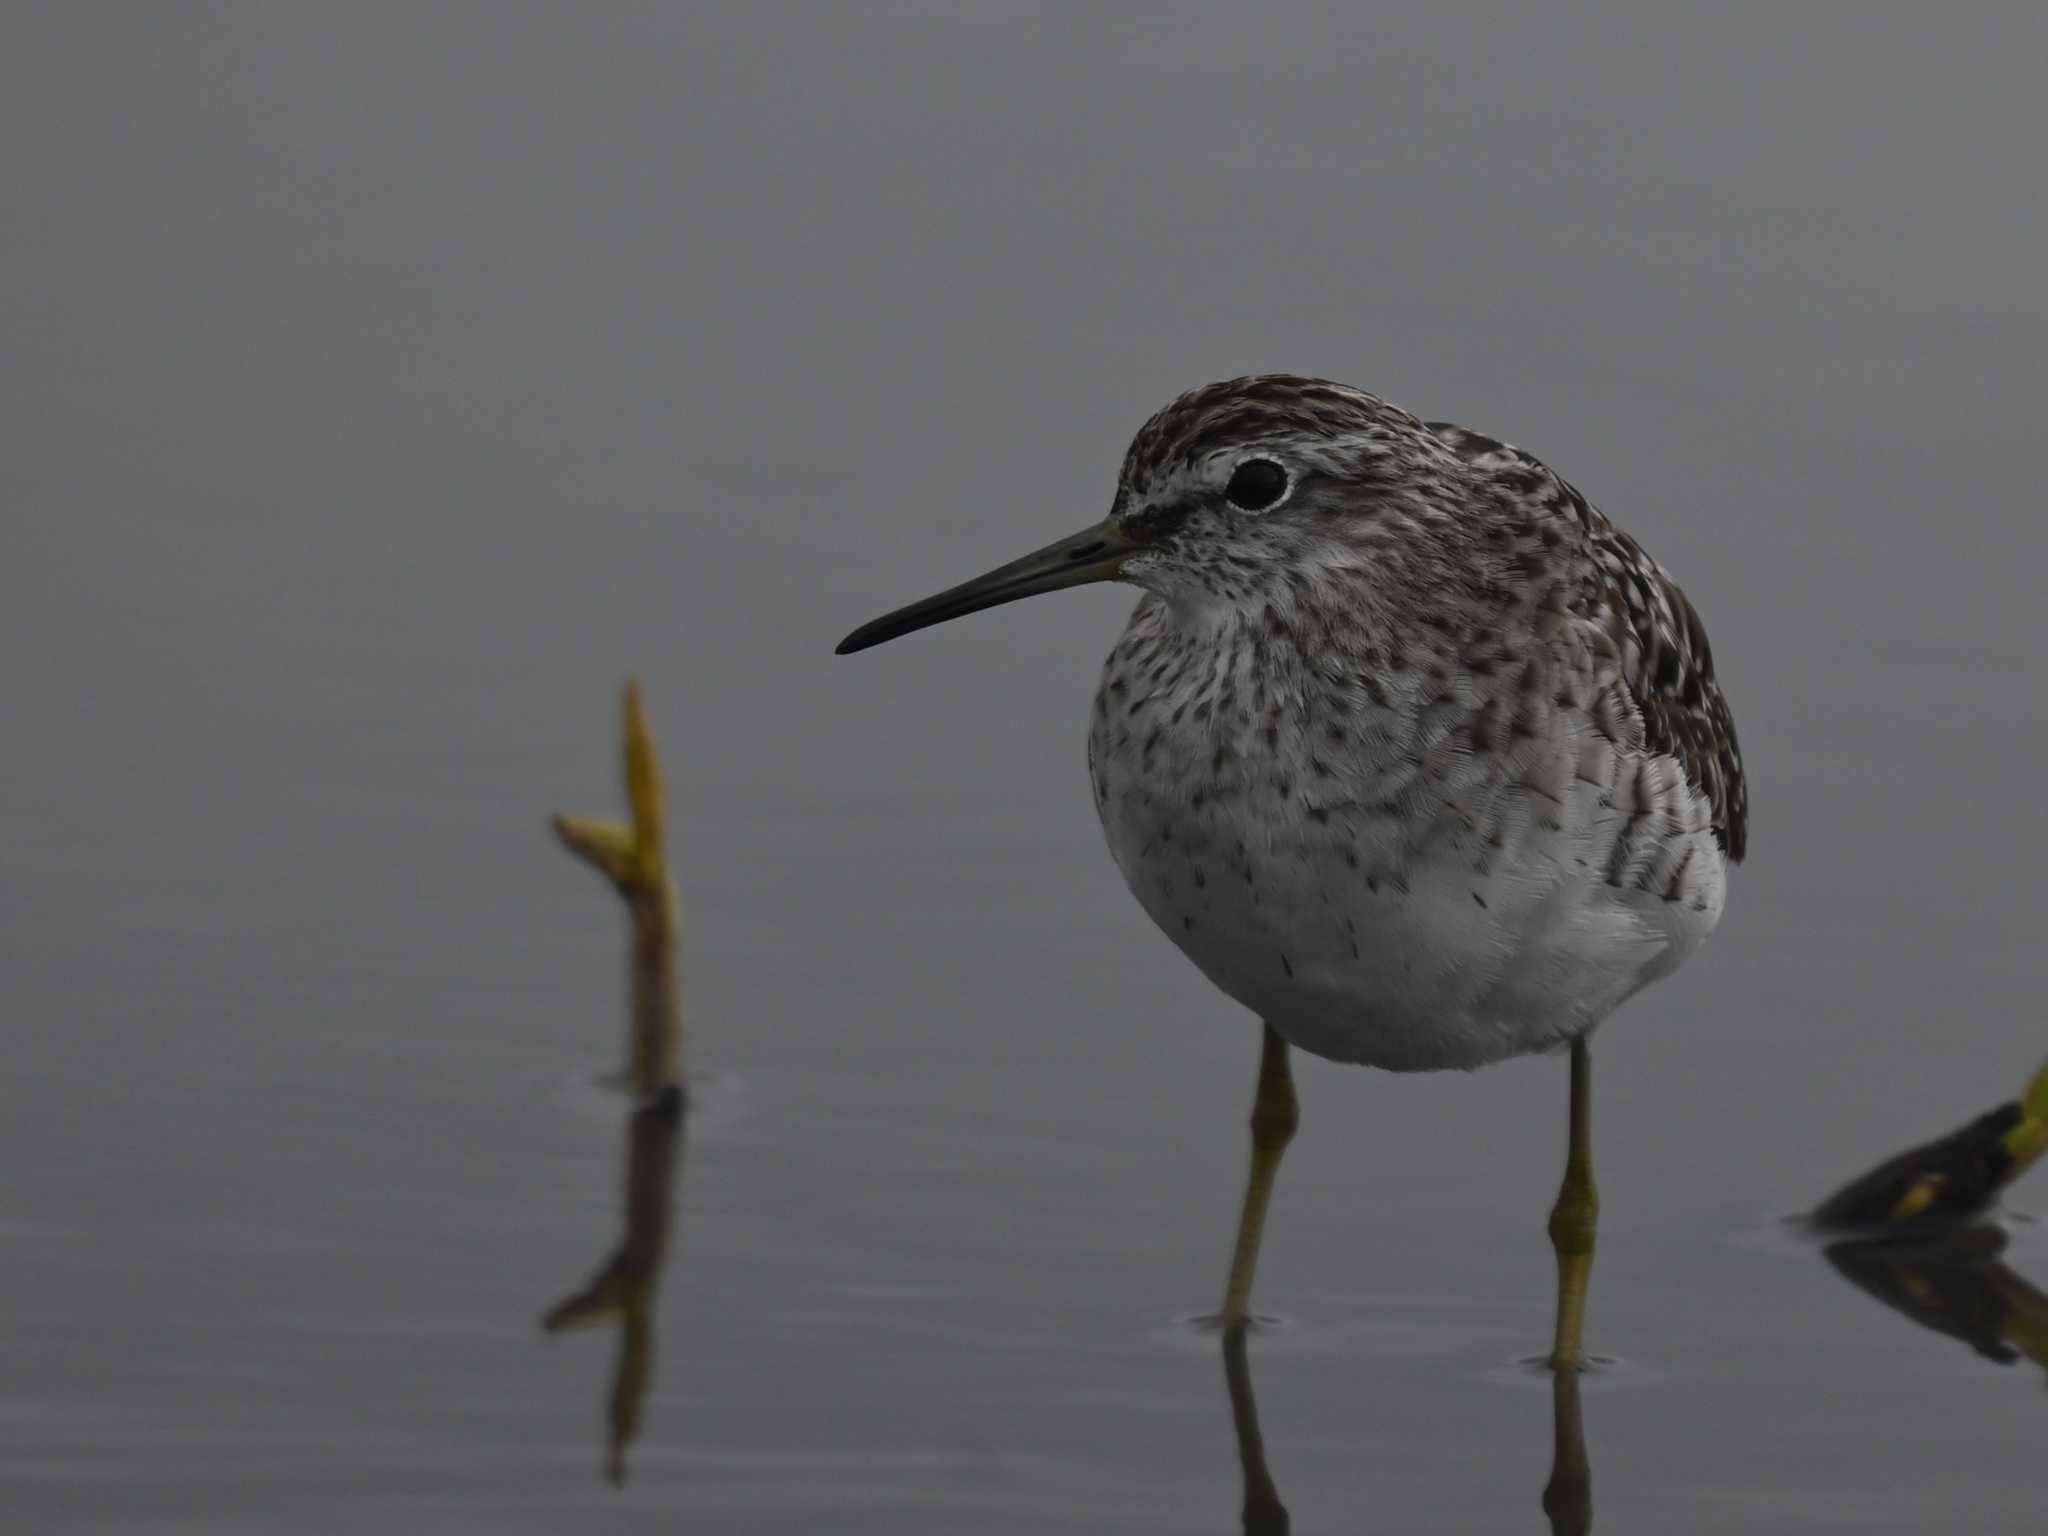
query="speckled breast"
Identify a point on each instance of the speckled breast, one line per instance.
(1346, 853)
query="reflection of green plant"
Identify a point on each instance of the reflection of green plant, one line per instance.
(1952, 1282)
(623, 1290)
(1950, 1179)
(2026, 1315)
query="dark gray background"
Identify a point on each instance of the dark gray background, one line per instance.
(384, 382)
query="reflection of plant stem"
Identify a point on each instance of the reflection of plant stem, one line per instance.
(634, 860)
(623, 1290)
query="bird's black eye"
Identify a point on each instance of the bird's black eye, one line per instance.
(1256, 485)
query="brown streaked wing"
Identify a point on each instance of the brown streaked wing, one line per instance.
(1667, 662)
(1685, 714)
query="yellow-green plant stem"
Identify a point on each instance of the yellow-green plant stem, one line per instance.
(635, 860)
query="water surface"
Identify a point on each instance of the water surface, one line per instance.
(384, 386)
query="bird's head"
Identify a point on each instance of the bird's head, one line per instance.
(1228, 490)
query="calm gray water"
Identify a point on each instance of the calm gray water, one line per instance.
(384, 384)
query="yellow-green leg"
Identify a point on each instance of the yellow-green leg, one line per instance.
(1275, 1114)
(1574, 1219)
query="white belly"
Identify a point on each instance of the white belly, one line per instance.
(1461, 918)
(1416, 975)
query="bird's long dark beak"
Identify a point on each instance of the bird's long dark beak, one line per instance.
(1093, 554)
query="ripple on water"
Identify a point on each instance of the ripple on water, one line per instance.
(717, 1101)
(1601, 1373)
(1392, 1335)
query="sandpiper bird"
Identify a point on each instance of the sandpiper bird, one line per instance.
(1406, 746)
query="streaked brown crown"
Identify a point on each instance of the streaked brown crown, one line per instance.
(1256, 406)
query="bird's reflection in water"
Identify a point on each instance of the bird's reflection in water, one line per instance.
(625, 1287)
(1955, 1283)
(1264, 1514)
(1567, 1497)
